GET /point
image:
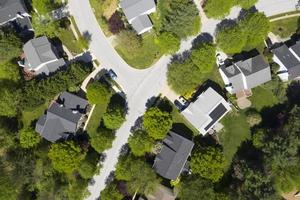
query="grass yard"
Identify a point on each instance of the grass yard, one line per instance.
(236, 130)
(28, 116)
(68, 39)
(285, 27)
(146, 55)
(262, 98)
(99, 9)
(95, 119)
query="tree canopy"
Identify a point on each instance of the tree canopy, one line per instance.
(183, 77)
(168, 42)
(246, 4)
(66, 156)
(209, 163)
(111, 192)
(218, 9)
(115, 114)
(204, 57)
(140, 142)
(10, 45)
(181, 18)
(157, 123)
(28, 138)
(102, 139)
(9, 98)
(98, 93)
(137, 173)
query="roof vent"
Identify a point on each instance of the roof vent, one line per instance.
(61, 105)
(74, 111)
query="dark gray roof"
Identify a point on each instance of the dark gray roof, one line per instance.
(72, 101)
(296, 48)
(230, 71)
(216, 114)
(252, 65)
(135, 8)
(60, 120)
(141, 23)
(40, 51)
(173, 156)
(285, 56)
(10, 8)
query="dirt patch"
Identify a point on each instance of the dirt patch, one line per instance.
(291, 195)
(109, 7)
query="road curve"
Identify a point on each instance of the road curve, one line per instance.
(139, 85)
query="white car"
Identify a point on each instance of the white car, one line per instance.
(220, 60)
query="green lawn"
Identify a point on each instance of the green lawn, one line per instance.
(286, 27)
(235, 131)
(28, 116)
(262, 98)
(95, 119)
(97, 6)
(145, 56)
(68, 39)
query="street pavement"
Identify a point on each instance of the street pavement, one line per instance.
(139, 85)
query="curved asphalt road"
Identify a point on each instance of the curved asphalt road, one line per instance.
(139, 85)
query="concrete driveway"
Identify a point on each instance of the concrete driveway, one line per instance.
(139, 85)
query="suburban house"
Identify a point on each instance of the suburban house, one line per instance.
(15, 12)
(40, 57)
(137, 11)
(207, 110)
(172, 158)
(161, 193)
(245, 74)
(64, 117)
(288, 58)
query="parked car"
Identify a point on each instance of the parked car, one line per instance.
(220, 60)
(181, 103)
(112, 74)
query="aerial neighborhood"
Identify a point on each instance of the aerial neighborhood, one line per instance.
(149, 100)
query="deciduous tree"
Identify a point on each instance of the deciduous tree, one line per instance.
(28, 138)
(168, 43)
(218, 9)
(204, 57)
(111, 192)
(10, 45)
(140, 142)
(102, 139)
(98, 93)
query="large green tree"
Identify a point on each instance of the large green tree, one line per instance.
(138, 174)
(66, 156)
(28, 138)
(98, 93)
(10, 45)
(209, 163)
(181, 18)
(115, 115)
(10, 70)
(102, 139)
(204, 57)
(218, 9)
(246, 4)
(157, 123)
(9, 99)
(43, 7)
(111, 192)
(168, 43)
(140, 143)
(183, 77)
(231, 39)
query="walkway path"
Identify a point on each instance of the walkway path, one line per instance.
(139, 85)
(285, 17)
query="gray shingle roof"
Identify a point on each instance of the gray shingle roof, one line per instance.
(285, 56)
(72, 101)
(135, 8)
(252, 65)
(60, 120)
(10, 8)
(141, 23)
(39, 51)
(173, 156)
(296, 48)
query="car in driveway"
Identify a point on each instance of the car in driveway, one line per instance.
(112, 74)
(220, 59)
(181, 103)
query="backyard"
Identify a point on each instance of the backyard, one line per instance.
(262, 98)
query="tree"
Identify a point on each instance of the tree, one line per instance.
(256, 26)
(231, 39)
(45, 6)
(204, 57)
(66, 156)
(10, 45)
(102, 139)
(258, 138)
(218, 9)
(10, 70)
(44, 25)
(115, 23)
(183, 77)
(98, 93)
(87, 168)
(115, 114)
(209, 163)
(157, 123)
(28, 138)
(9, 99)
(181, 18)
(140, 143)
(111, 192)
(138, 174)
(253, 117)
(246, 4)
(190, 186)
(168, 43)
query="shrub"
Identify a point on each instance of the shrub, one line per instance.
(115, 23)
(98, 93)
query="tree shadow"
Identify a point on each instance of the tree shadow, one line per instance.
(181, 57)
(183, 130)
(138, 124)
(225, 24)
(87, 36)
(293, 94)
(271, 116)
(151, 101)
(165, 105)
(202, 38)
(244, 12)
